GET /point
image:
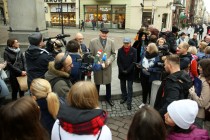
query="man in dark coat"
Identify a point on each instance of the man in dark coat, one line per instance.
(184, 55)
(37, 58)
(125, 58)
(200, 30)
(171, 38)
(174, 87)
(194, 41)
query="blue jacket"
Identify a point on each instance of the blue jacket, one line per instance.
(46, 118)
(154, 71)
(76, 70)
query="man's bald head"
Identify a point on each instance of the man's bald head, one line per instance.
(79, 38)
(63, 62)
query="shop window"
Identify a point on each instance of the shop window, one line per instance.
(111, 16)
(69, 16)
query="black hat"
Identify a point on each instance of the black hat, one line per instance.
(104, 30)
(35, 38)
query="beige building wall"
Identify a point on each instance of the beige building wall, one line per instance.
(159, 8)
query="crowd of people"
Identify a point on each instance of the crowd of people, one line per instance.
(63, 105)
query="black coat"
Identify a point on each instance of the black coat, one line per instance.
(125, 62)
(185, 61)
(37, 60)
(173, 87)
(10, 57)
(193, 42)
(171, 41)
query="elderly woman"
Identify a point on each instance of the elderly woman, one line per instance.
(150, 70)
(81, 118)
(15, 65)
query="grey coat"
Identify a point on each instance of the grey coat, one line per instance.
(60, 88)
(103, 76)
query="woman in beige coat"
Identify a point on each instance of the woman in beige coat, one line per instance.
(203, 99)
(98, 47)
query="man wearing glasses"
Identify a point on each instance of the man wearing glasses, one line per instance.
(106, 47)
(58, 74)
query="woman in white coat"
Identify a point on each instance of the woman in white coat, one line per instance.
(81, 118)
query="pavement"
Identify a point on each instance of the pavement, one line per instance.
(119, 118)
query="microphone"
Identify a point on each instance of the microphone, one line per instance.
(104, 57)
(97, 56)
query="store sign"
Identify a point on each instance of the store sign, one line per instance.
(105, 9)
(55, 1)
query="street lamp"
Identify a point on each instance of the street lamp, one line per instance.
(142, 8)
(62, 31)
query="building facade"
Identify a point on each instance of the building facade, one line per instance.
(119, 14)
(126, 14)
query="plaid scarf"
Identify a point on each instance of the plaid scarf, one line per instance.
(91, 127)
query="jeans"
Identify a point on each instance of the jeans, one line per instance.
(127, 92)
(108, 91)
(146, 88)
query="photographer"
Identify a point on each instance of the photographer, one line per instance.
(54, 44)
(73, 48)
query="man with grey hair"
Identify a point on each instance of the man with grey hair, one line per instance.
(105, 49)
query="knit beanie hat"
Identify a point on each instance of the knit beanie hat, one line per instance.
(35, 38)
(183, 112)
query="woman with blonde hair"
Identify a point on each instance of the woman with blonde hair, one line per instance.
(201, 49)
(47, 101)
(193, 64)
(81, 118)
(20, 120)
(150, 70)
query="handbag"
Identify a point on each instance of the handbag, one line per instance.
(207, 114)
(22, 80)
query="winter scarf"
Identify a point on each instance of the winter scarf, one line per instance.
(91, 127)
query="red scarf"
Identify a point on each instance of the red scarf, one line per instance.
(91, 127)
(126, 50)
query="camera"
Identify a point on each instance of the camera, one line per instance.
(87, 61)
(54, 44)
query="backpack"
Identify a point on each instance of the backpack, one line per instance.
(185, 85)
(56, 79)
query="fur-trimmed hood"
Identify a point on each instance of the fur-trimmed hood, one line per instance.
(52, 72)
